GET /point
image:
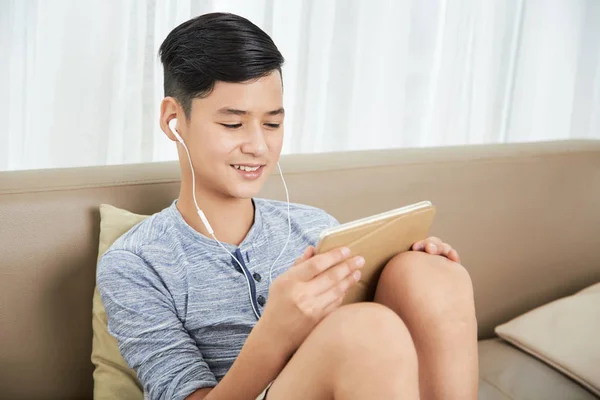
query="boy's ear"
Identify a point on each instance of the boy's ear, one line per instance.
(169, 110)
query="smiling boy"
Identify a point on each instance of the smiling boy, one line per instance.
(196, 323)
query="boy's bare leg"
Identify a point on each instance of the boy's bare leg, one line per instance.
(360, 351)
(434, 297)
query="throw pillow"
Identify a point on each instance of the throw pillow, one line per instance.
(564, 334)
(113, 379)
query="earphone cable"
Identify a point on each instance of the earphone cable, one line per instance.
(211, 232)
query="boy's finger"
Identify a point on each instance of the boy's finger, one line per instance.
(308, 253)
(453, 255)
(419, 246)
(301, 258)
(446, 249)
(432, 248)
(322, 262)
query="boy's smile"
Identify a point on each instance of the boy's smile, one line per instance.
(249, 171)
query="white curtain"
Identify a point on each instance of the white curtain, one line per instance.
(81, 82)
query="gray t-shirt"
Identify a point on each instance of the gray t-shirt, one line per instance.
(180, 307)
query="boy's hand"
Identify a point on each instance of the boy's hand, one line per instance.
(302, 296)
(435, 246)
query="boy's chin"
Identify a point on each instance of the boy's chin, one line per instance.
(245, 191)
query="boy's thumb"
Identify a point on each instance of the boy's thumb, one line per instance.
(308, 253)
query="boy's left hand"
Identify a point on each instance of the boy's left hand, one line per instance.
(435, 246)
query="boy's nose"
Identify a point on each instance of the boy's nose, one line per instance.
(256, 144)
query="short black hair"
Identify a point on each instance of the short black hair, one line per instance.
(215, 47)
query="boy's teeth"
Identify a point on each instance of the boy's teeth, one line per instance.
(244, 168)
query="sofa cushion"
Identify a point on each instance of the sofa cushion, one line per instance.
(507, 373)
(563, 334)
(113, 379)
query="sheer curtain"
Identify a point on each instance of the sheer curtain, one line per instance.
(81, 81)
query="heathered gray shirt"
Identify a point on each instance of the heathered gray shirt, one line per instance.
(180, 306)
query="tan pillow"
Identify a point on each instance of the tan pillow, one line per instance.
(113, 379)
(564, 334)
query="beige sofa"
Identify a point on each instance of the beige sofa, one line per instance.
(524, 217)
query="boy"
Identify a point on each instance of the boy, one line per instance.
(195, 323)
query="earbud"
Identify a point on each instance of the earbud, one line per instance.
(173, 127)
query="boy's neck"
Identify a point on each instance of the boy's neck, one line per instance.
(231, 219)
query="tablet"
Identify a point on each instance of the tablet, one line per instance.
(378, 239)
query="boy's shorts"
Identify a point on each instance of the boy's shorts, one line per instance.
(263, 395)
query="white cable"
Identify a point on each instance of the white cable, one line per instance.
(287, 197)
(211, 232)
(247, 279)
(200, 213)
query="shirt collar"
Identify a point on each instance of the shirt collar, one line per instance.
(253, 234)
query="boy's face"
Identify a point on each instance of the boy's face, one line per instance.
(237, 125)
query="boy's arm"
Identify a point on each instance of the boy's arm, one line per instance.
(152, 339)
(262, 358)
(260, 361)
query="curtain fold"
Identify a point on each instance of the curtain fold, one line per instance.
(82, 82)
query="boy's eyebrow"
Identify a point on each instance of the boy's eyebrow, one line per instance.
(233, 111)
(279, 111)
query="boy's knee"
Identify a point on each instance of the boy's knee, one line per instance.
(368, 331)
(435, 288)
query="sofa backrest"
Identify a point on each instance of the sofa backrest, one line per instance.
(524, 217)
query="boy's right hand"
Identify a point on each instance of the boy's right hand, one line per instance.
(302, 296)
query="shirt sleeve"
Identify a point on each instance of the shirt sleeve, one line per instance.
(152, 339)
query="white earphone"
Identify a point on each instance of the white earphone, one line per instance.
(173, 128)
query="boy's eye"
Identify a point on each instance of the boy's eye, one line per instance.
(231, 126)
(235, 126)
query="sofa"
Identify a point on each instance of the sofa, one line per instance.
(525, 219)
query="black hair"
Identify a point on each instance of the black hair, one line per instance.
(215, 47)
